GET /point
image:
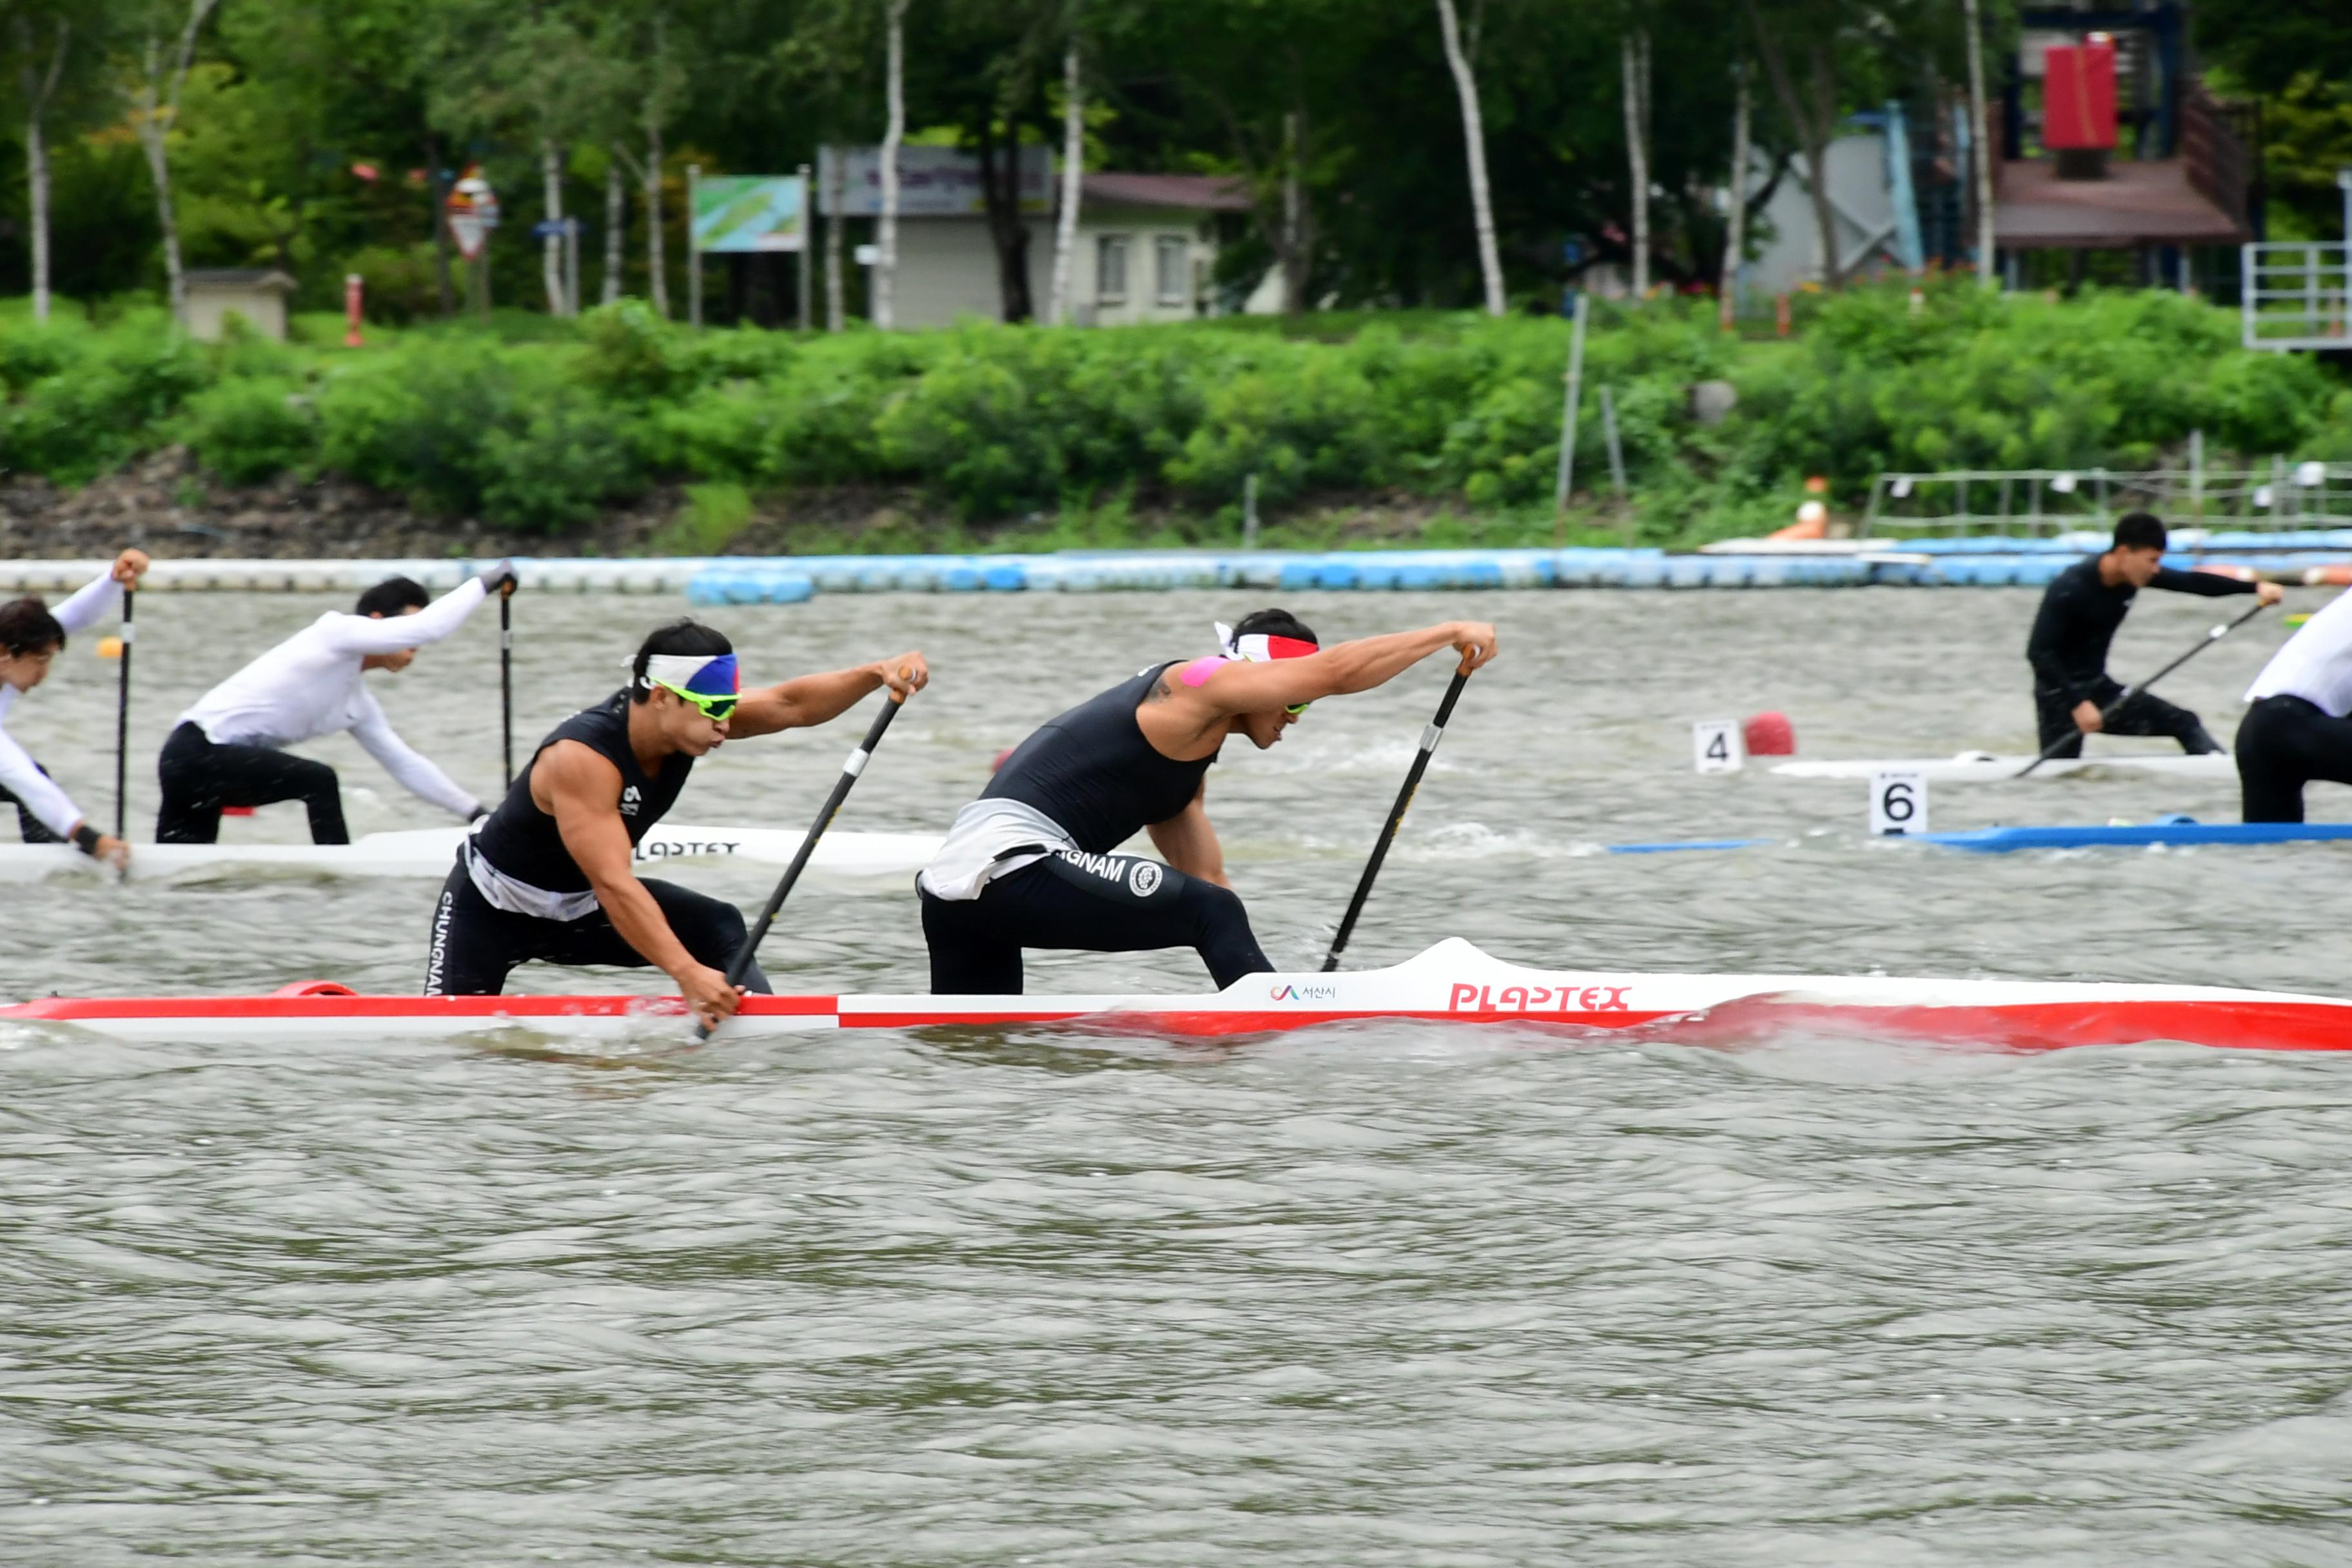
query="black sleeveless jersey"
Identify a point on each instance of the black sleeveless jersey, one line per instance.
(1092, 771)
(522, 841)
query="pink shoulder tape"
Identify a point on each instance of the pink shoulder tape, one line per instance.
(1200, 670)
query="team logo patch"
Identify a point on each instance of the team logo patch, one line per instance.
(1144, 879)
(630, 800)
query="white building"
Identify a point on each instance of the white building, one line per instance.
(1146, 246)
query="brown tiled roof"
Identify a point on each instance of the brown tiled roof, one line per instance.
(1192, 192)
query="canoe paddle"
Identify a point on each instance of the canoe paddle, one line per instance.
(849, 772)
(123, 722)
(506, 674)
(1429, 739)
(2199, 645)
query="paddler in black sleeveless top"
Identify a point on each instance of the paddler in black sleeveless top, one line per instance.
(547, 874)
(1030, 863)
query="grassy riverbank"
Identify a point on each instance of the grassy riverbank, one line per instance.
(1442, 429)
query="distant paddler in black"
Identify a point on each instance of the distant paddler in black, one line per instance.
(30, 635)
(549, 875)
(2080, 612)
(2299, 727)
(1030, 863)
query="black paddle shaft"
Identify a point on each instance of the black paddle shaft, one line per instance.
(505, 677)
(2199, 645)
(849, 772)
(123, 722)
(1429, 739)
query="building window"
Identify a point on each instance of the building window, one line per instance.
(1169, 254)
(1110, 269)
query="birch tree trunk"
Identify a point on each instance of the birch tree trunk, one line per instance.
(39, 88)
(1636, 53)
(162, 77)
(1466, 87)
(550, 255)
(1074, 153)
(894, 132)
(657, 238)
(1981, 146)
(1297, 245)
(615, 216)
(1734, 239)
(835, 313)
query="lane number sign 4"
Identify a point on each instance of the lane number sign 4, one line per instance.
(1899, 804)
(1717, 746)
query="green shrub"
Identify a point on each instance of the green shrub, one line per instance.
(248, 429)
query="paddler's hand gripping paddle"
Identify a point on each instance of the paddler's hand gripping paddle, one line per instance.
(1429, 739)
(2208, 640)
(849, 772)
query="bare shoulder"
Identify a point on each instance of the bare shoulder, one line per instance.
(575, 774)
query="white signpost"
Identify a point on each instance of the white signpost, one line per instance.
(1899, 804)
(1717, 746)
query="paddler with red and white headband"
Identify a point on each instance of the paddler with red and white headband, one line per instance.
(1030, 863)
(548, 876)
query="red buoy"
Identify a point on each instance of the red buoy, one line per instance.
(1770, 735)
(1000, 759)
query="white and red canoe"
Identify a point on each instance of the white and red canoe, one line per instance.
(1451, 983)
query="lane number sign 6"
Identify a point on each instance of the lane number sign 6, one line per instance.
(1899, 804)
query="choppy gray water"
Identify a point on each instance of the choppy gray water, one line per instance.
(1360, 1296)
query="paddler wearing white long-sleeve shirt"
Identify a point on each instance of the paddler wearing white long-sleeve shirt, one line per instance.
(30, 635)
(227, 750)
(2299, 727)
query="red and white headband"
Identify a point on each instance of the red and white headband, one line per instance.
(1258, 647)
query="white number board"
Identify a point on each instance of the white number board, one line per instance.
(1717, 746)
(1899, 804)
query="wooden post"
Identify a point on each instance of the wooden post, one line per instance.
(1566, 474)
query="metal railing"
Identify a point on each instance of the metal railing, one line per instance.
(2297, 294)
(2286, 494)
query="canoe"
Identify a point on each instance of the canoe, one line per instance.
(2181, 831)
(1453, 982)
(1984, 767)
(430, 852)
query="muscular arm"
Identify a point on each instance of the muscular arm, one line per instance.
(812, 699)
(583, 791)
(1185, 715)
(1188, 841)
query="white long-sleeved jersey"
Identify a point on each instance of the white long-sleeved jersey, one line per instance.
(2316, 664)
(309, 686)
(51, 805)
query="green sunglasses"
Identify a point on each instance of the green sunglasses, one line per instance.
(1296, 708)
(717, 710)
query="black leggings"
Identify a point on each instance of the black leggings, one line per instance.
(2143, 715)
(474, 945)
(34, 830)
(2284, 743)
(200, 777)
(1095, 903)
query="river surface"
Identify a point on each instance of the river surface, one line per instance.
(1364, 1295)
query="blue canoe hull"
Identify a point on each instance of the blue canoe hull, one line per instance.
(2003, 840)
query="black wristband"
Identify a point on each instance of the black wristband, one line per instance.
(85, 839)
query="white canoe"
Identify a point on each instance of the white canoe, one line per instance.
(1451, 983)
(430, 852)
(1984, 767)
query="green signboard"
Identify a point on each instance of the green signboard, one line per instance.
(750, 212)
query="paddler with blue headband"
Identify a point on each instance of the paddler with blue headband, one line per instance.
(1031, 863)
(549, 874)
